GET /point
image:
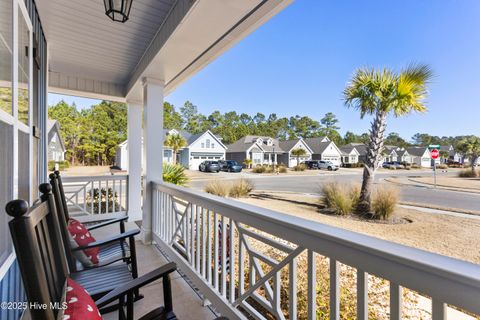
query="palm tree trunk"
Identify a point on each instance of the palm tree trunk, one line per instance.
(474, 161)
(174, 155)
(374, 152)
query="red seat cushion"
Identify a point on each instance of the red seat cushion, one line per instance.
(79, 303)
(82, 237)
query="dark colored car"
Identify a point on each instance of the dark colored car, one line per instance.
(311, 164)
(209, 166)
(230, 166)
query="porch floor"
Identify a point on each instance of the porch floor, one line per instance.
(186, 302)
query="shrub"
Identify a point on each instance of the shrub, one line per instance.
(98, 198)
(341, 198)
(384, 202)
(300, 167)
(268, 169)
(392, 168)
(282, 169)
(442, 166)
(415, 166)
(218, 188)
(174, 173)
(241, 188)
(259, 169)
(468, 173)
(62, 165)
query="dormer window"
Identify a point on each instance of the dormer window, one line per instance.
(269, 142)
(259, 141)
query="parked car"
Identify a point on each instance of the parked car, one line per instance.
(392, 165)
(230, 166)
(327, 165)
(209, 166)
(311, 164)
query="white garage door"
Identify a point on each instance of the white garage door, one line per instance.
(195, 161)
(333, 159)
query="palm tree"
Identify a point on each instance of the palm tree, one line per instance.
(176, 142)
(247, 163)
(298, 152)
(470, 147)
(379, 93)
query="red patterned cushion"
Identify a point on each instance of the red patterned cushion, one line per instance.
(82, 237)
(79, 303)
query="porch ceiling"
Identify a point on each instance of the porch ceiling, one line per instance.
(170, 40)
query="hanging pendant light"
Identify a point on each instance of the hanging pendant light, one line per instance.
(118, 10)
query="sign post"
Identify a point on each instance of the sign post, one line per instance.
(434, 154)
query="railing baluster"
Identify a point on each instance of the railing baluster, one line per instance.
(312, 285)
(92, 204)
(99, 197)
(199, 227)
(224, 257)
(241, 265)
(439, 310)
(362, 295)
(187, 231)
(395, 301)
(191, 221)
(120, 201)
(232, 260)
(114, 192)
(85, 198)
(292, 289)
(334, 290)
(215, 250)
(209, 247)
(107, 198)
(277, 293)
(204, 245)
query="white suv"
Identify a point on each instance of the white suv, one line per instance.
(327, 165)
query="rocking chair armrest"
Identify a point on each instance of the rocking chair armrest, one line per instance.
(118, 237)
(137, 283)
(106, 223)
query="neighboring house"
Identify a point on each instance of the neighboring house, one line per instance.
(200, 147)
(290, 145)
(350, 155)
(324, 149)
(390, 153)
(404, 156)
(261, 150)
(56, 146)
(420, 156)
(452, 154)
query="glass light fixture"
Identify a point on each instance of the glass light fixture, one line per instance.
(118, 10)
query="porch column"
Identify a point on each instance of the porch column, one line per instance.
(275, 159)
(153, 147)
(269, 158)
(134, 160)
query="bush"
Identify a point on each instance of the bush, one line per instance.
(241, 188)
(415, 166)
(341, 198)
(62, 165)
(468, 173)
(300, 167)
(104, 195)
(259, 169)
(282, 169)
(353, 165)
(218, 188)
(268, 169)
(174, 173)
(384, 202)
(237, 189)
(442, 166)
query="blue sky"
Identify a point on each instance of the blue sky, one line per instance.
(300, 61)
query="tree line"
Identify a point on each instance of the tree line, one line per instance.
(92, 135)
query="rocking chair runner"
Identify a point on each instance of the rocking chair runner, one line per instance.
(111, 250)
(38, 244)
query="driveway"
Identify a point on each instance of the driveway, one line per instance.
(311, 184)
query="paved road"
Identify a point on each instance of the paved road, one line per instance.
(415, 194)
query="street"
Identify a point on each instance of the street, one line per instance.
(311, 184)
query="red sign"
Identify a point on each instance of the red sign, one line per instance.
(435, 154)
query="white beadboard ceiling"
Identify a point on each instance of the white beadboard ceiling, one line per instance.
(168, 40)
(85, 42)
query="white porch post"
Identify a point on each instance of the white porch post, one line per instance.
(269, 158)
(153, 147)
(275, 159)
(134, 160)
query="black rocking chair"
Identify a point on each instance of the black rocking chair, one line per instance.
(40, 252)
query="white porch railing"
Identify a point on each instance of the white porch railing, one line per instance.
(246, 261)
(104, 196)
